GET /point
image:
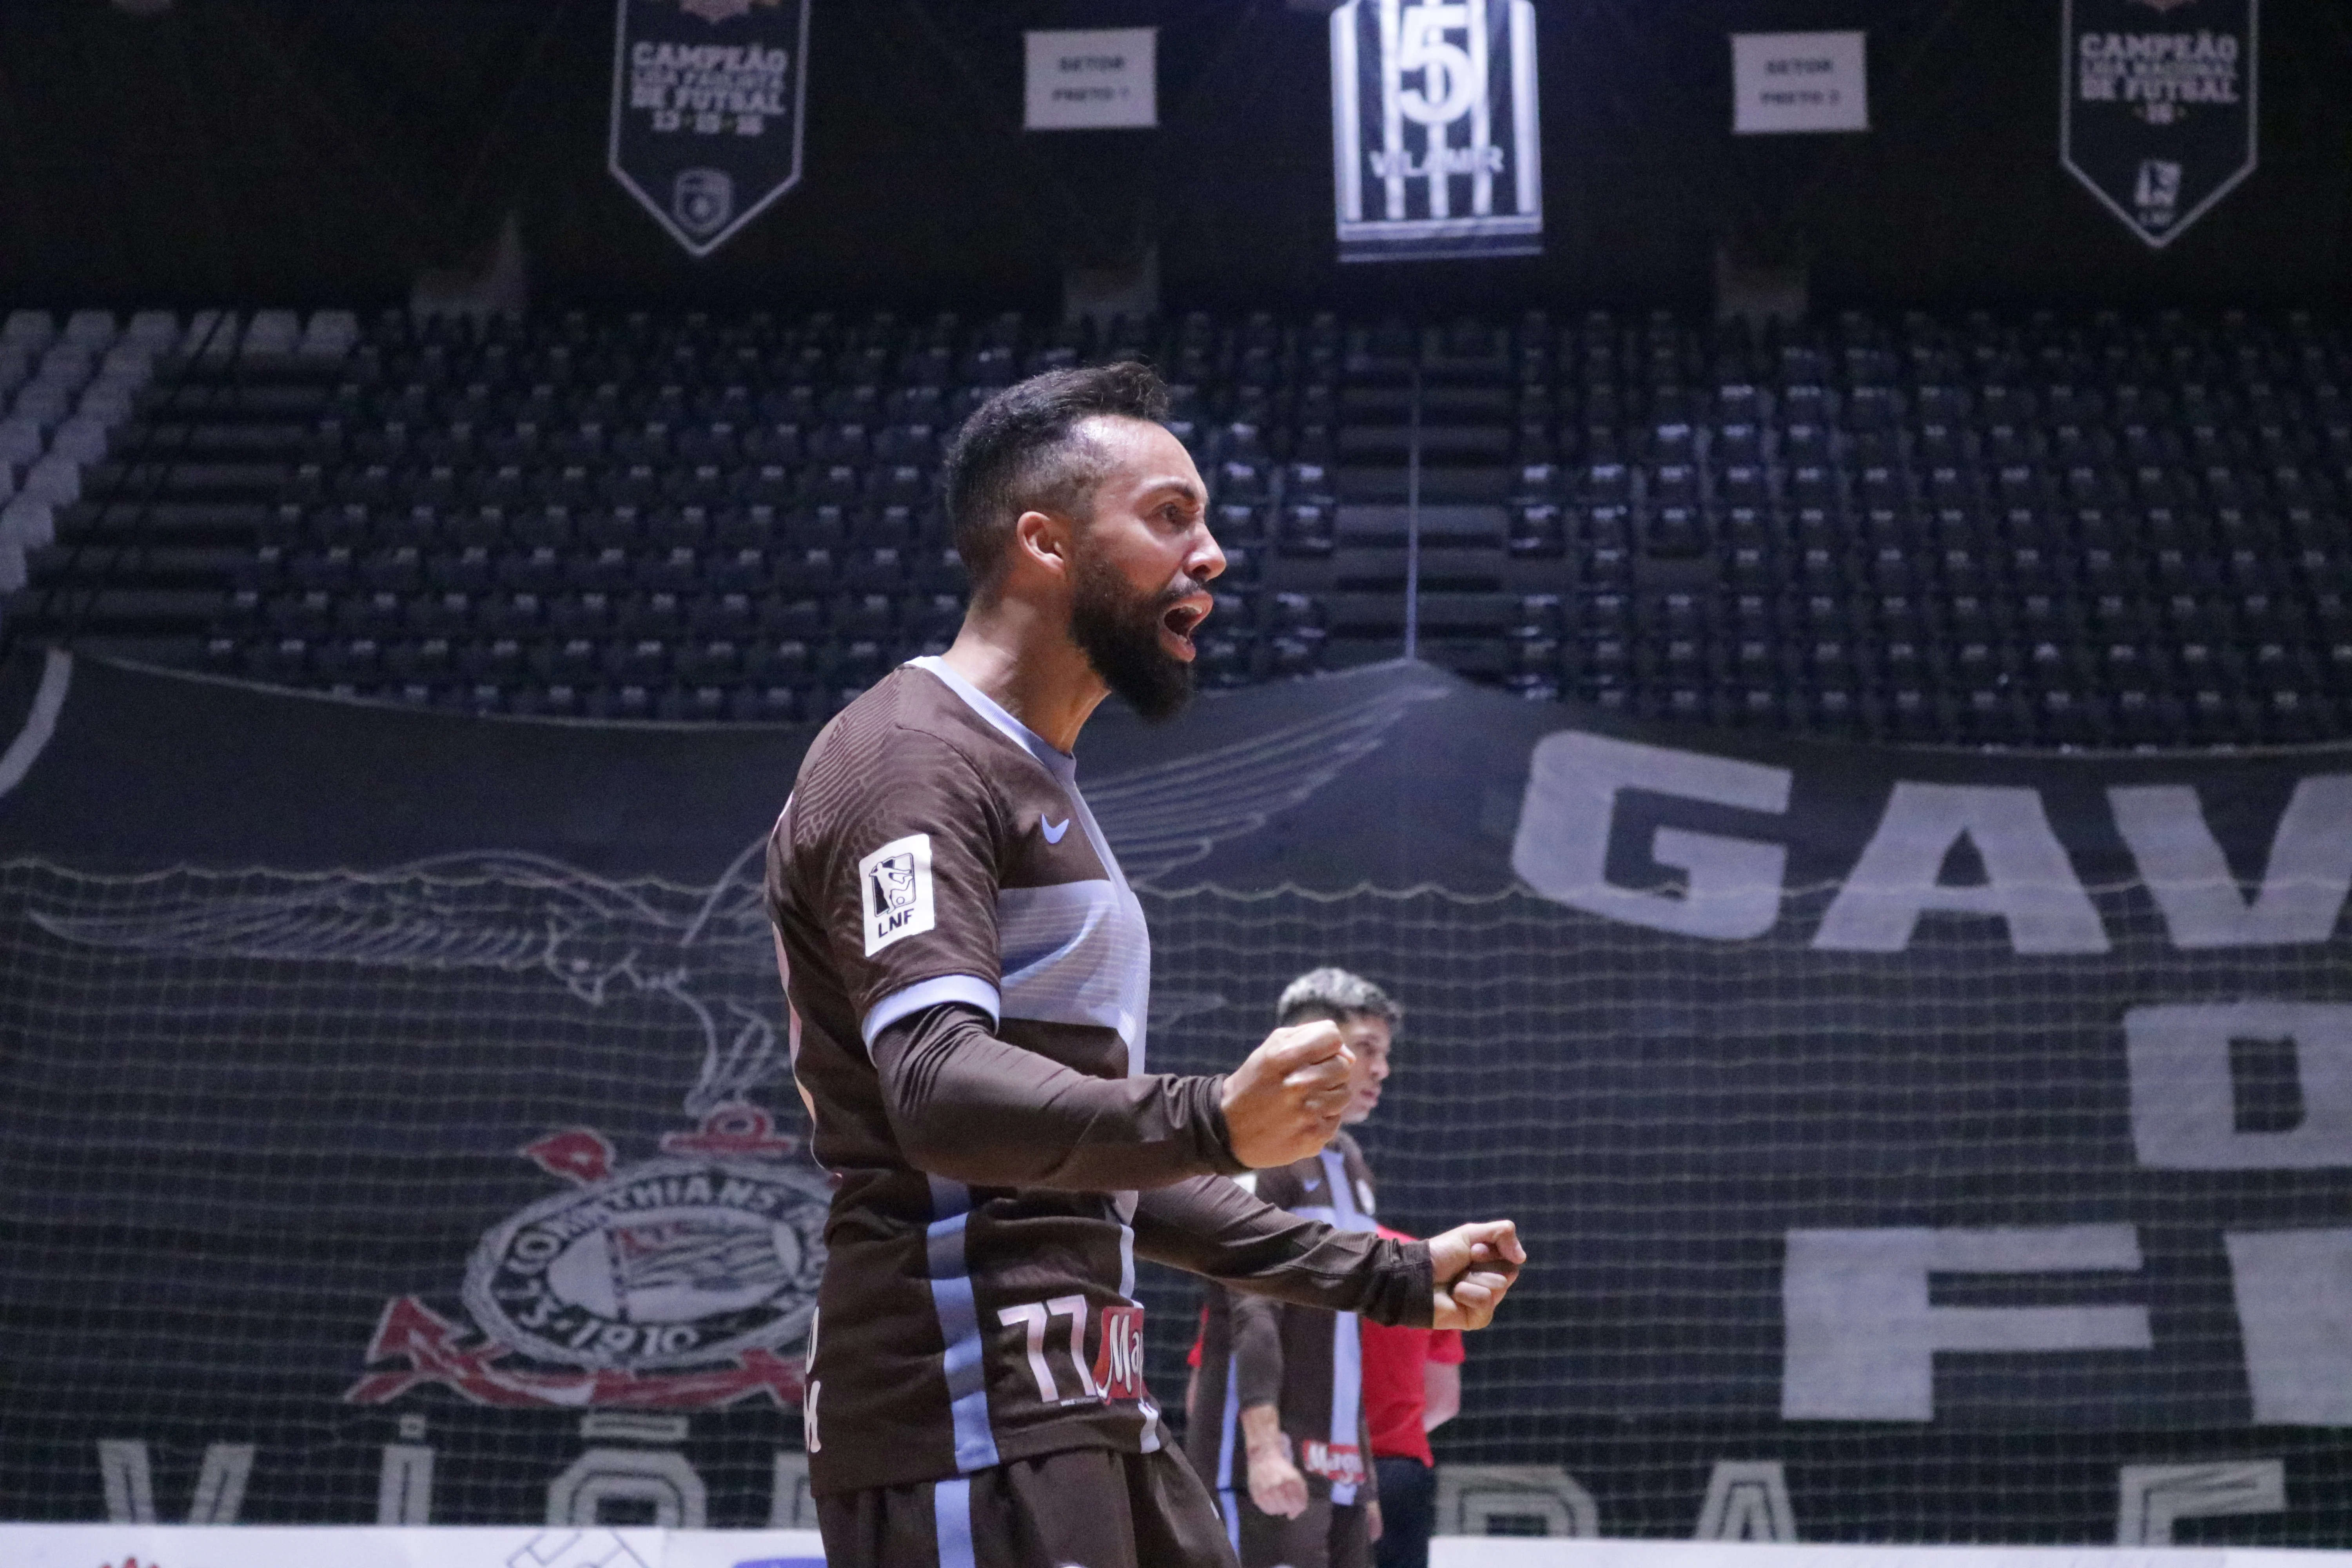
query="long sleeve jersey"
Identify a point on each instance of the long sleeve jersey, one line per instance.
(969, 974)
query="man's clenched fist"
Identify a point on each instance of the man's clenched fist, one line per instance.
(1285, 1102)
(1472, 1266)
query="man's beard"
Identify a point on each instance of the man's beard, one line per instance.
(1120, 633)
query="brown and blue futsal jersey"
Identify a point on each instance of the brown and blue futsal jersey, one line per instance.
(969, 975)
(1306, 1362)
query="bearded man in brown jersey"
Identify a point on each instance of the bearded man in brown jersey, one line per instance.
(969, 976)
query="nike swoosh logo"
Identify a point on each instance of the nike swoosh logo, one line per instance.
(1053, 831)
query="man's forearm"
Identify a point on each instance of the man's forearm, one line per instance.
(1257, 1350)
(967, 1106)
(1210, 1226)
(1262, 1430)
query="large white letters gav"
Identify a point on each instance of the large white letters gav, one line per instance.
(2304, 882)
(1561, 850)
(2028, 881)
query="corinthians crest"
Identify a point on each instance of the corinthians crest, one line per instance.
(675, 1282)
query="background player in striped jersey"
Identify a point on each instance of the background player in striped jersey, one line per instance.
(1277, 1423)
(969, 975)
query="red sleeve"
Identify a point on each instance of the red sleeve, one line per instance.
(1444, 1345)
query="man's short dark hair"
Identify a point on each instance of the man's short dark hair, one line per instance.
(1020, 451)
(1336, 995)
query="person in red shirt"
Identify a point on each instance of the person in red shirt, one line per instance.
(1412, 1385)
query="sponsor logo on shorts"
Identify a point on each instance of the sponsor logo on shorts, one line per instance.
(1118, 1362)
(1341, 1464)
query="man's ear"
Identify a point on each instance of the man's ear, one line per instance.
(1042, 540)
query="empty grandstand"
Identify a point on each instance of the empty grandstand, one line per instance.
(2034, 528)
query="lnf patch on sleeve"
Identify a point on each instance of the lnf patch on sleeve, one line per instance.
(896, 883)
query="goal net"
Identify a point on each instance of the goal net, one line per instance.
(1945, 1243)
(1858, 1246)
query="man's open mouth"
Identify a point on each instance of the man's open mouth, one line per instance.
(1180, 619)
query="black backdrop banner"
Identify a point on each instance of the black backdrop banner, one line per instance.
(393, 1125)
(708, 99)
(2159, 112)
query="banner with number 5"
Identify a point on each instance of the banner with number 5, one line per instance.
(1435, 140)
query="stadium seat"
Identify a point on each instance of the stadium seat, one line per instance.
(2016, 527)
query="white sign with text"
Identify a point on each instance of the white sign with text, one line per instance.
(1097, 79)
(1783, 83)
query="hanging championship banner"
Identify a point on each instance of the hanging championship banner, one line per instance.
(707, 107)
(2156, 112)
(1435, 144)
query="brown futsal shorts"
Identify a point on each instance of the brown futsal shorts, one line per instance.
(1327, 1535)
(1086, 1506)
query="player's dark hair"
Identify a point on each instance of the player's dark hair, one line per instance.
(1020, 451)
(1335, 994)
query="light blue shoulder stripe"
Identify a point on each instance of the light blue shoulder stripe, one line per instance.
(969, 989)
(1061, 765)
